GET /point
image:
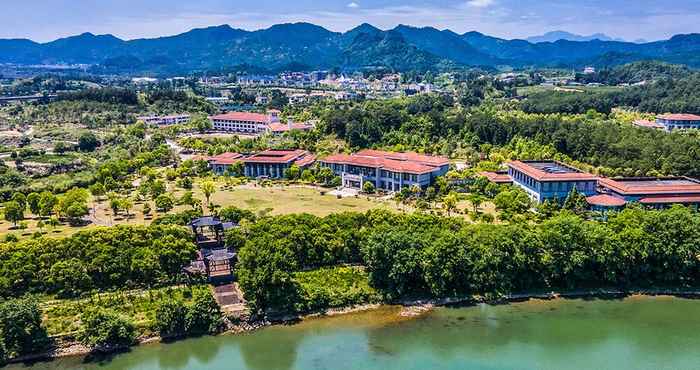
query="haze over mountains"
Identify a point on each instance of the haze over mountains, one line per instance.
(304, 46)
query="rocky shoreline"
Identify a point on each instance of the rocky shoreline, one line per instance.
(66, 347)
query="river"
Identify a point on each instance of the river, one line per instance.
(634, 333)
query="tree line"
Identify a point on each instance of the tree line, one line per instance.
(420, 255)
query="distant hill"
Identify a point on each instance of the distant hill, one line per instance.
(305, 45)
(553, 36)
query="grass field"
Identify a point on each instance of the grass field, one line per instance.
(528, 90)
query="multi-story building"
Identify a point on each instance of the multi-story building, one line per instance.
(386, 170)
(273, 163)
(165, 120)
(672, 122)
(244, 122)
(550, 180)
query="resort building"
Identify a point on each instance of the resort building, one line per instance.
(672, 122)
(386, 170)
(220, 163)
(165, 120)
(273, 163)
(652, 191)
(550, 180)
(244, 122)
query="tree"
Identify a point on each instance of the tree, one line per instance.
(146, 209)
(157, 188)
(88, 142)
(97, 189)
(307, 176)
(325, 175)
(69, 277)
(208, 189)
(105, 330)
(14, 212)
(21, 200)
(47, 202)
(164, 203)
(575, 202)
(203, 315)
(292, 172)
(185, 183)
(126, 204)
(188, 199)
(236, 169)
(201, 123)
(114, 204)
(21, 330)
(368, 187)
(170, 318)
(33, 203)
(450, 202)
(475, 200)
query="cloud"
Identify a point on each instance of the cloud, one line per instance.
(480, 3)
(353, 5)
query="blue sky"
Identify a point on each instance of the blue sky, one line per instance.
(45, 20)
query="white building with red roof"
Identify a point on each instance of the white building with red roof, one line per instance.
(678, 121)
(244, 122)
(386, 170)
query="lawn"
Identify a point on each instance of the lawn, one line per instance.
(279, 200)
(339, 286)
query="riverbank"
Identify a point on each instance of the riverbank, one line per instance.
(65, 347)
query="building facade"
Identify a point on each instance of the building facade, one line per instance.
(386, 170)
(655, 192)
(165, 120)
(220, 163)
(550, 180)
(244, 122)
(273, 163)
(672, 122)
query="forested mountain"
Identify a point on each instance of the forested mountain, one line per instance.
(553, 36)
(313, 47)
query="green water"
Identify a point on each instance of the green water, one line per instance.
(635, 333)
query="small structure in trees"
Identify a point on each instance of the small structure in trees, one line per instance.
(214, 258)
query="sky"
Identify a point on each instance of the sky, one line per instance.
(46, 20)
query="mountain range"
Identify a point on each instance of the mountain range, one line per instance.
(305, 46)
(553, 36)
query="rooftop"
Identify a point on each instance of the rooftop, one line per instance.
(499, 177)
(605, 200)
(396, 162)
(680, 117)
(551, 171)
(651, 185)
(242, 116)
(284, 127)
(225, 158)
(647, 124)
(277, 156)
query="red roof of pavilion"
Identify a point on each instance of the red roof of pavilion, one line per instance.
(497, 177)
(605, 200)
(540, 175)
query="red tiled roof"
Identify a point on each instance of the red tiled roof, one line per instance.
(651, 186)
(671, 199)
(225, 158)
(680, 117)
(498, 178)
(242, 116)
(395, 162)
(283, 127)
(605, 200)
(276, 156)
(647, 123)
(307, 160)
(540, 175)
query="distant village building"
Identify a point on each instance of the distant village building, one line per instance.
(386, 170)
(273, 163)
(278, 128)
(165, 120)
(588, 70)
